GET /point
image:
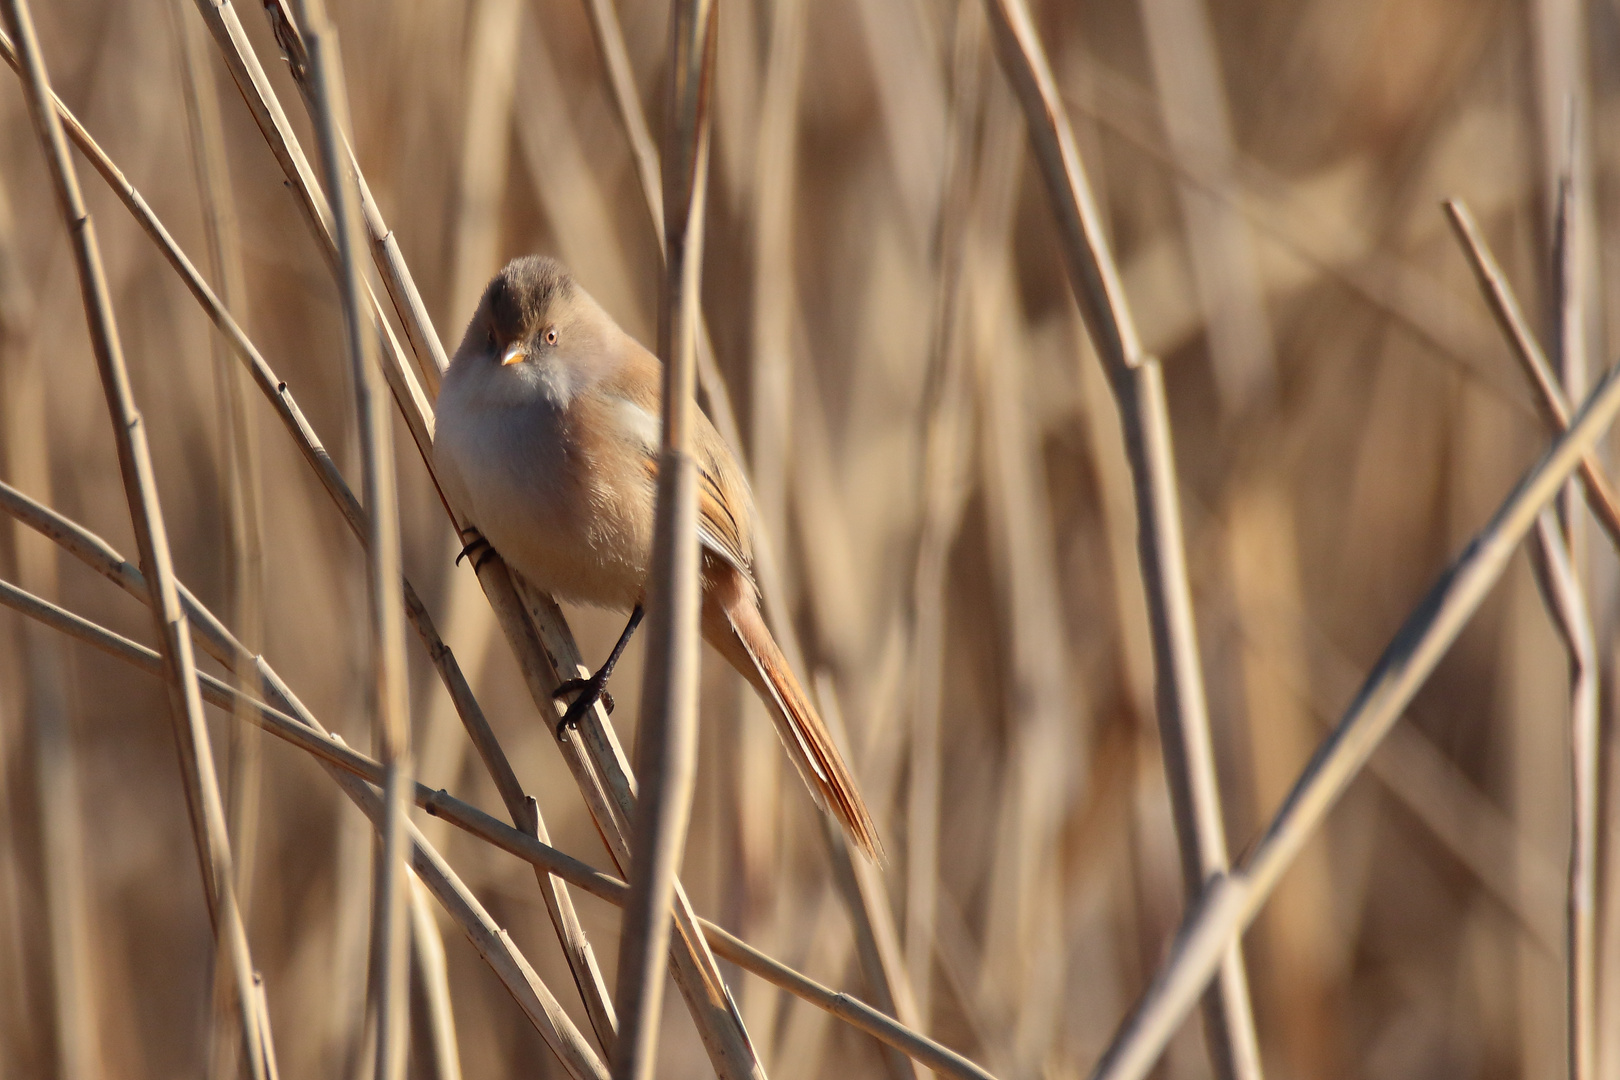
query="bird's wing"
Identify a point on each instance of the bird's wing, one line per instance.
(725, 506)
(723, 500)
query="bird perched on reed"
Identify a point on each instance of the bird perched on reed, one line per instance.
(548, 439)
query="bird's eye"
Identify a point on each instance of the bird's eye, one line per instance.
(491, 337)
(551, 335)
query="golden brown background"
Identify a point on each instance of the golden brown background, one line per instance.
(1345, 415)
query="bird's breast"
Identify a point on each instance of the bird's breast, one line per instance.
(562, 498)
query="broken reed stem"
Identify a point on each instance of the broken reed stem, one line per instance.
(389, 985)
(1550, 399)
(304, 731)
(666, 752)
(1214, 923)
(1566, 603)
(1562, 590)
(204, 804)
(1138, 386)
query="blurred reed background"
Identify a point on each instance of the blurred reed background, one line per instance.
(938, 463)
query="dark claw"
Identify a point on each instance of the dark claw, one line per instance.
(478, 549)
(593, 689)
(582, 704)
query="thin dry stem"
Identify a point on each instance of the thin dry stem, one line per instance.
(1550, 398)
(304, 731)
(1138, 386)
(667, 740)
(203, 799)
(1212, 926)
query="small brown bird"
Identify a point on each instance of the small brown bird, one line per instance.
(548, 436)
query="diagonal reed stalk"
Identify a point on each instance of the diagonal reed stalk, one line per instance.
(479, 174)
(286, 408)
(534, 626)
(291, 721)
(538, 635)
(288, 719)
(303, 732)
(1138, 386)
(666, 752)
(1550, 399)
(1567, 604)
(1232, 901)
(388, 990)
(203, 799)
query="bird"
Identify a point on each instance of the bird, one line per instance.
(547, 437)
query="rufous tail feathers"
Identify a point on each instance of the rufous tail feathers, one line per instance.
(733, 625)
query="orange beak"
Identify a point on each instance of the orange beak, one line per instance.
(514, 352)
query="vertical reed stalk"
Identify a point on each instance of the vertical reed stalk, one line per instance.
(1138, 385)
(1230, 904)
(203, 798)
(388, 1007)
(240, 482)
(1566, 602)
(47, 699)
(667, 740)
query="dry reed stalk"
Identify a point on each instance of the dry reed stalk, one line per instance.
(315, 454)
(303, 730)
(1321, 234)
(388, 998)
(666, 751)
(432, 969)
(877, 938)
(534, 626)
(1565, 600)
(615, 57)
(1551, 400)
(946, 447)
(76, 1045)
(905, 66)
(203, 800)
(1567, 604)
(755, 754)
(610, 47)
(1226, 276)
(1232, 901)
(1421, 776)
(486, 138)
(1048, 729)
(241, 484)
(272, 122)
(1138, 385)
(244, 66)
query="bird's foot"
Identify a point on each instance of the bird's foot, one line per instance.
(478, 549)
(594, 688)
(591, 691)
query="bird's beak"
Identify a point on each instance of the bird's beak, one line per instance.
(514, 352)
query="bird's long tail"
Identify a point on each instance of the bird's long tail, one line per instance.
(733, 625)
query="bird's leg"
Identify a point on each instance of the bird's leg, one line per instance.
(478, 549)
(596, 686)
